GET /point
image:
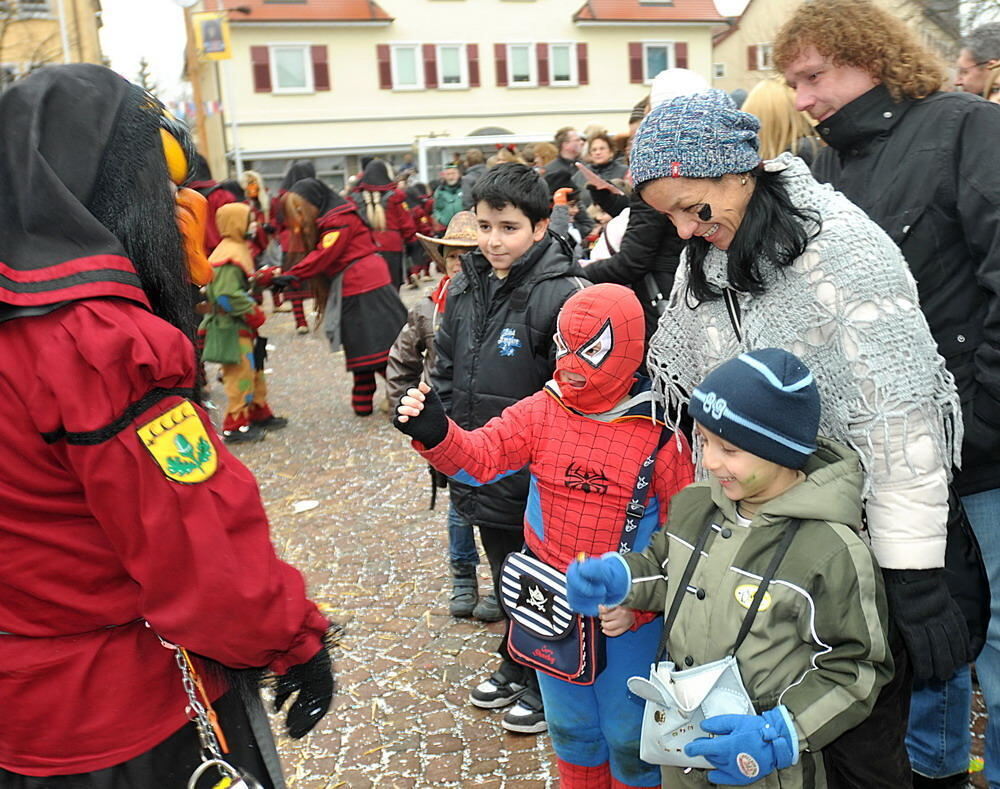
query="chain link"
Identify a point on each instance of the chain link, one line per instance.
(206, 734)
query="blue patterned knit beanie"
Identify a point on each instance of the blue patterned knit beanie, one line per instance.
(764, 402)
(700, 135)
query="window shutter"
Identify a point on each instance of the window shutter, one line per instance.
(384, 66)
(542, 55)
(635, 62)
(321, 68)
(500, 56)
(472, 53)
(260, 59)
(751, 58)
(430, 66)
(681, 54)
(582, 75)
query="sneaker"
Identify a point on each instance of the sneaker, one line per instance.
(243, 435)
(464, 595)
(527, 716)
(488, 609)
(498, 691)
(273, 422)
(301, 329)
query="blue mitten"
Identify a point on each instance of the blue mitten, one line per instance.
(595, 582)
(747, 747)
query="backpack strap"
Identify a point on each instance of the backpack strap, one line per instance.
(772, 568)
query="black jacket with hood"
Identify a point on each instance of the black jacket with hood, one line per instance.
(927, 171)
(494, 347)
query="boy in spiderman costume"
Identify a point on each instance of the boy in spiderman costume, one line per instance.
(583, 438)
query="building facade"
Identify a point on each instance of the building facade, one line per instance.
(332, 80)
(36, 33)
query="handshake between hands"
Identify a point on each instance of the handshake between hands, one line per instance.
(742, 748)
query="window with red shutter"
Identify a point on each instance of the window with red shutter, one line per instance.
(542, 51)
(500, 56)
(321, 68)
(384, 66)
(635, 62)
(472, 52)
(751, 58)
(261, 64)
(582, 73)
(681, 54)
(430, 66)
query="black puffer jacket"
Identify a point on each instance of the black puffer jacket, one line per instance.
(650, 248)
(928, 172)
(495, 351)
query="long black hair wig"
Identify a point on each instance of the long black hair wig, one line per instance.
(774, 232)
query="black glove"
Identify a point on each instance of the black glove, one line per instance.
(929, 620)
(430, 427)
(283, 281)
(314, 682)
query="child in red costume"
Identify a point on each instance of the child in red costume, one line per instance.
(583, 438)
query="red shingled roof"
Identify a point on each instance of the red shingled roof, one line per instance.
(311, 11)
(635, 11)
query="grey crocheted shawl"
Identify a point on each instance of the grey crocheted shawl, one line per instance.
(848, 308)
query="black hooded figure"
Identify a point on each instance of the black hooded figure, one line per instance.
(384, 208)
(291, 248)
(118, 485)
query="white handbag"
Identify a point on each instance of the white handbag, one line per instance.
(678, 701)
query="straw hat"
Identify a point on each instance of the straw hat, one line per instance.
(463, 231)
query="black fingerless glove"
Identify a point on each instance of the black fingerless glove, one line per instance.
(431, 427)
(314, 682)
(929, 620)
(283, 281)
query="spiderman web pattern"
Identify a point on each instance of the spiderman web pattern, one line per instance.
(584, 471)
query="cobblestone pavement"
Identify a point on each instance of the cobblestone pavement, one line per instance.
(375, 559)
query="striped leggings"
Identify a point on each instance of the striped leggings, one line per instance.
(363, 391)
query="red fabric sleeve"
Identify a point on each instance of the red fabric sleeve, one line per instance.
(205, 572)
(402, 219)
(500, 446)
(324, 260)
(674, 470)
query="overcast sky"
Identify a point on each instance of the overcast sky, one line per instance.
(151, 28)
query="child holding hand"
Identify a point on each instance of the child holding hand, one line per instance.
(816, 653)
(585, 439)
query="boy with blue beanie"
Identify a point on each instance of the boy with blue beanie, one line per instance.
(817, 650)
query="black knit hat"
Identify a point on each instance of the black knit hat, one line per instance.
(764, 402)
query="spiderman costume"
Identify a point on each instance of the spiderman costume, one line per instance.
(583, 439)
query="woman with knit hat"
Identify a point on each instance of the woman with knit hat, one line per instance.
(773, 259)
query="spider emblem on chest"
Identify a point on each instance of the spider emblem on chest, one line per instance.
(587, 481)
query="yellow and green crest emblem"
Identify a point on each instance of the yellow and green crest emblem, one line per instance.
(179, 444)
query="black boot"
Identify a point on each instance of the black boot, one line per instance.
(464, 590)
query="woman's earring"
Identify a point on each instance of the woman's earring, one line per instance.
(743, 180)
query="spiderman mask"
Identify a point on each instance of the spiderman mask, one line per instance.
(600, 339)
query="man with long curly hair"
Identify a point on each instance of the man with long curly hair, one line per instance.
(924, 165)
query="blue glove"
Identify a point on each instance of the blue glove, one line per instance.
(595, 582)
(747, 747)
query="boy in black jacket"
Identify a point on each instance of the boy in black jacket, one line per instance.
(494, 348)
